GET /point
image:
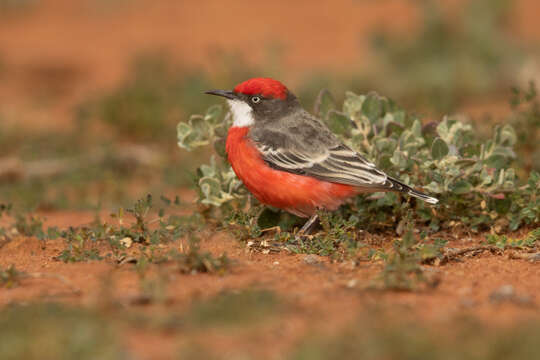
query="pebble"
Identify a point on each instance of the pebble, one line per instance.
(127, 242)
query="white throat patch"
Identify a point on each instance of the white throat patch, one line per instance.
(241, 112)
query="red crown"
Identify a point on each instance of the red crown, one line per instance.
(264, 86)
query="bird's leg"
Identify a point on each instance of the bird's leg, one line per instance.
(308, 226)
(276, 228)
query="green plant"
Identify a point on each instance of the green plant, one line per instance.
(10, 277)
(195, 261)
(526, 120)
(29, 225)
(504, 241)
(523, 205)
(82, 241)
(402, 269)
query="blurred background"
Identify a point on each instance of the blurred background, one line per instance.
(91, 90)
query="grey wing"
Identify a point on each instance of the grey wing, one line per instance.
(302, 144)
(337, 164)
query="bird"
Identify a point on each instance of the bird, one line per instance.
(289, 159)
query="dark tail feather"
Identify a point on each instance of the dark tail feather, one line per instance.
(399, 186)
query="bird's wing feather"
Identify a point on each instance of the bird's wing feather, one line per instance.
(302, 144)
(338, 164)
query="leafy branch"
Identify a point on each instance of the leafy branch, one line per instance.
(472, 177)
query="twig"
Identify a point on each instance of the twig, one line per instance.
(454, 254)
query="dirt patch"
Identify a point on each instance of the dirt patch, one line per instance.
(320, 294)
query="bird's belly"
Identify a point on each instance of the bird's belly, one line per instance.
(298, 194)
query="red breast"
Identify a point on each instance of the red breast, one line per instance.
(300, 195)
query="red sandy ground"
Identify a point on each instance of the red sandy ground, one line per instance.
(326, 296)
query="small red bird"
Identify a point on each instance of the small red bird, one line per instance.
(289, 158)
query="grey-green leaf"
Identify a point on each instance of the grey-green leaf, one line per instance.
(213, 115)
(338, 122)
(372, 107)
(439, 149)
(461, 187)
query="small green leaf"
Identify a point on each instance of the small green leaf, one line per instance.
(338, 122)
(461, 187)
(385, 145)
(219, 146)
(399, 159)
(372, 107)
(416, 128)
(213, 115)
(496, 161)
(213, 195)
(183, 130)
(439, 149)
(433, 187)
(505, 135)
(443, 128)
(198, 123)
(353, 104)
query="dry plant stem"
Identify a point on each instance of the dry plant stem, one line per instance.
(452, 255)
(528, 255)
(276, 228)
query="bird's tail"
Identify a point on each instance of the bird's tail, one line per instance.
(399, 186)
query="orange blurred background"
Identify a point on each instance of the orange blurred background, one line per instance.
(76, 48)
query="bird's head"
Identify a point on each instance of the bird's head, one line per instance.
(258, 100)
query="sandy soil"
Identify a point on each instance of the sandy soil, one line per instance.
(325, 295)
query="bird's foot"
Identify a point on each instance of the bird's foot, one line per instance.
(302, 237)
(305, 231)
(309, 225)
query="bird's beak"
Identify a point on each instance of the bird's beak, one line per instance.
(225, 93)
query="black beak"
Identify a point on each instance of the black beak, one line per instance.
(225, 93)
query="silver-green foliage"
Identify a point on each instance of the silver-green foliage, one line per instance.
(472, 178)
(216, 181)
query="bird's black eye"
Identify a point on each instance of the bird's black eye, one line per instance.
(255, 99)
